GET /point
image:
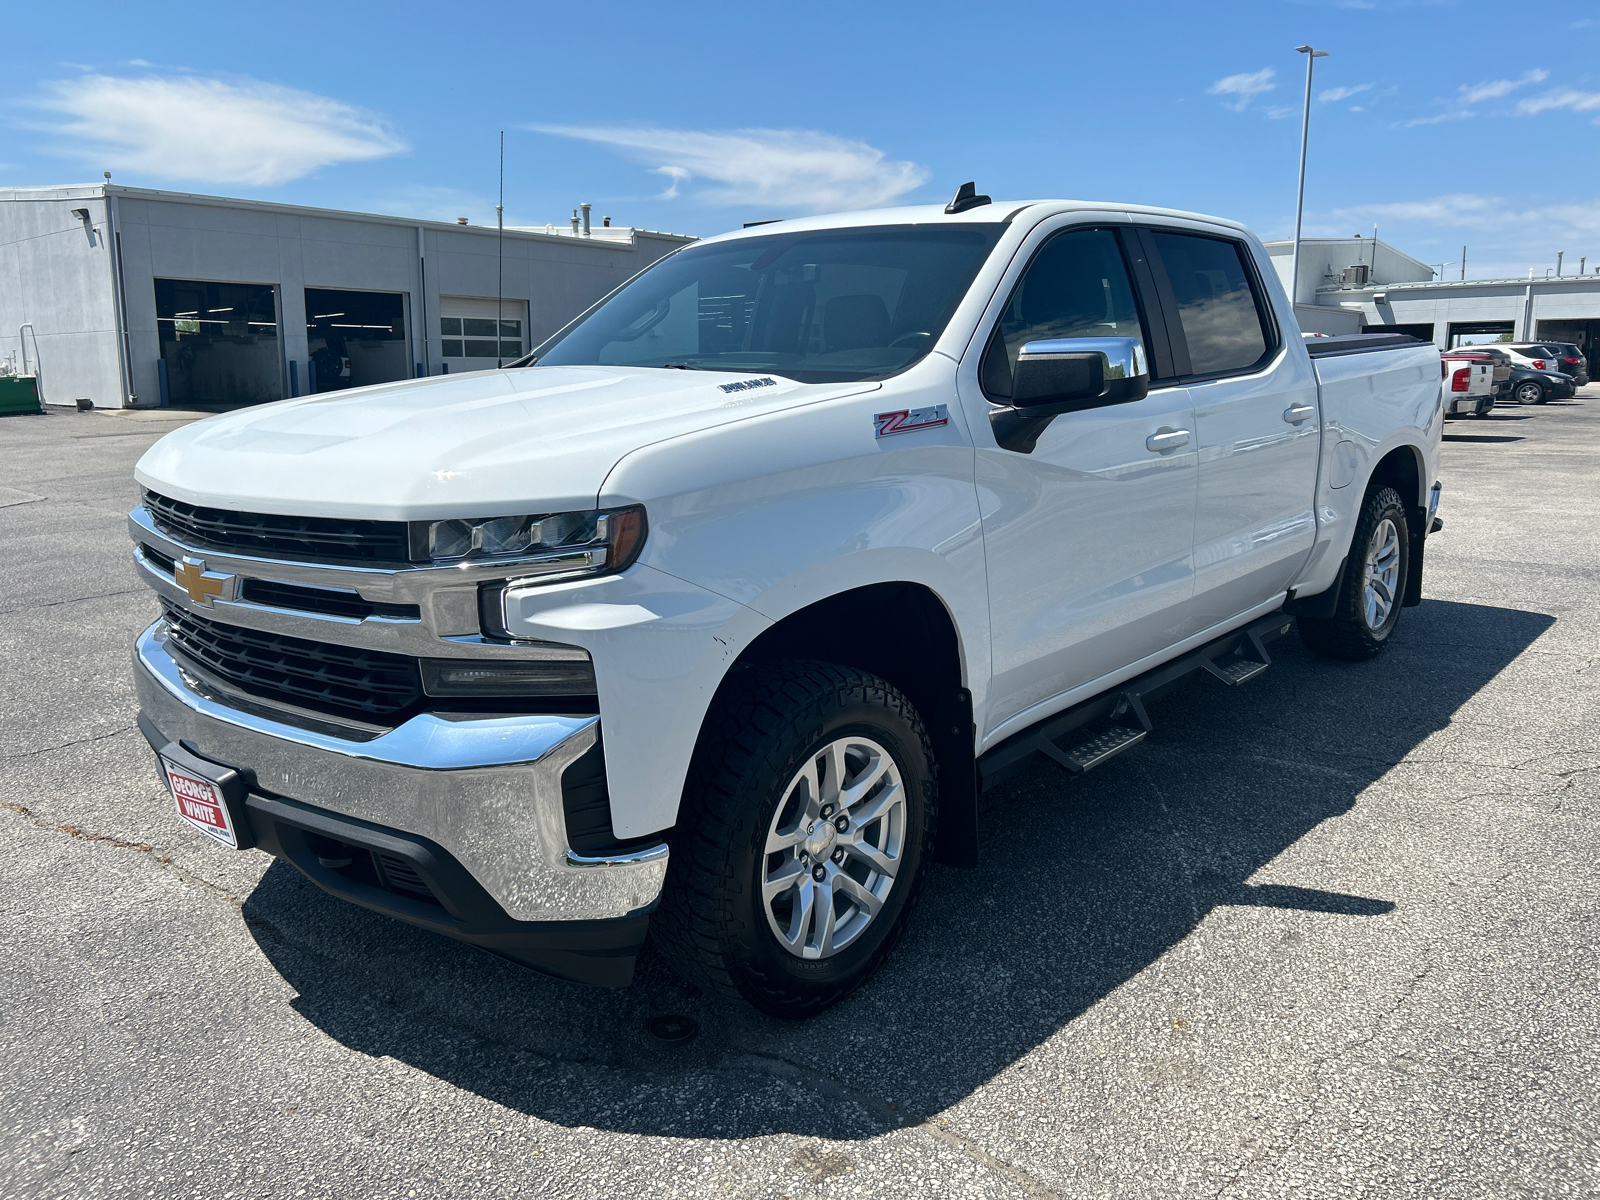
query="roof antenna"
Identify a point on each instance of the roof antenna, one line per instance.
(966, 197)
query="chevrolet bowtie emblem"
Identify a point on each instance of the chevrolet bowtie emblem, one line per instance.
(202, 585)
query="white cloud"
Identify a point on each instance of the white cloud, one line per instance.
(1492, 214)
(776, 169)
(431, 202)
(678, 175)
(1560, 98)
(1459, 114)
(1244, 87)
(210, 130)
(1344, 93)
(1279, 112)
(1493, 89)
(1460, 108)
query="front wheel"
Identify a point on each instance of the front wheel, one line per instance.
(1374, 584)
(809, 811)
(1531, 392)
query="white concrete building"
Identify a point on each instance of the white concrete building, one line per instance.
(128, 296)
(1356, 285)
(1330, 262)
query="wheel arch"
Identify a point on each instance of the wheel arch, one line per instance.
(905, 633)
(1404, 469)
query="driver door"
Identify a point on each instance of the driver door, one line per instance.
(1089, 536)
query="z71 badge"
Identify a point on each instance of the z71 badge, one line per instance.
(907, 420)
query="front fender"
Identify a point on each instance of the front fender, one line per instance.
(789, 508)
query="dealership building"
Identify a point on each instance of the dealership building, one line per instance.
(1358, 285)
(131, 297)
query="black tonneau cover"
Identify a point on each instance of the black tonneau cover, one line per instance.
(1359, 343)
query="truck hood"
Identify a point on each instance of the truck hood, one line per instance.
(490, 443)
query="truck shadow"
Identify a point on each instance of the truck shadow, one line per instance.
(1082, 885)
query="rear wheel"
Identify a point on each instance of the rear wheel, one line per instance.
(798, 855)
(1531, 391)
(1374, 583)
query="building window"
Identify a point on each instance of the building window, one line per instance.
(474, 337)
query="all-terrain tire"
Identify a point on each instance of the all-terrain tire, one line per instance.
(711, 925)
(1350, 634)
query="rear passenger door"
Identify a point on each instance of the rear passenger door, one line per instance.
(1257, 426)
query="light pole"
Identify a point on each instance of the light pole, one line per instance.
(1300, 199)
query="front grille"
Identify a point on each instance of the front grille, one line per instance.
(270, 535)
(338, 680)
(329, 602)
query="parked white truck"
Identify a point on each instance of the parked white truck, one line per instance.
(713, 616)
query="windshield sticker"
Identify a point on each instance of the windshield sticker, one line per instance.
(909, 420)
(744, 385)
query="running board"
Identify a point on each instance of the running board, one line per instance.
(1116, 719)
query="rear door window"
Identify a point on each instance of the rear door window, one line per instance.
(1218, 310)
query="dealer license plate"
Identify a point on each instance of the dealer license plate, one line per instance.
(201, 804)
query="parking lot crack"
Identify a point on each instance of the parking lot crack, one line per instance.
(6, 612)
(1317, 1068)
(164, 861)
(940, 1131)
(99, 737)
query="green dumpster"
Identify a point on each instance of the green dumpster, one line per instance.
(19, 394)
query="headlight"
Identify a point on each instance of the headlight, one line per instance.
(552, 545)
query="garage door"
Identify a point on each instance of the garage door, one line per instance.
(468, 336)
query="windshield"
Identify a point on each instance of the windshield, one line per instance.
(833, 305)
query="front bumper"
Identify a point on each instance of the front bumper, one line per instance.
(485, 791)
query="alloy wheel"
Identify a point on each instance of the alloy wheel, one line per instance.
(1380, 574)
(833, 848)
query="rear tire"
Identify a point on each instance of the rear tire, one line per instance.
(743, 911)
(1374, 584)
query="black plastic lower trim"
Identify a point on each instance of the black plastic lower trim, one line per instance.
(1324, 603)
(414, 879)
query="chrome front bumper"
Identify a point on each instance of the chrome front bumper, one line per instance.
(486, 789)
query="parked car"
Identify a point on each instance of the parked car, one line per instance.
(713, 616)
(1562, 356)
(1531, 354)
(1466, 385)
(1531, 386)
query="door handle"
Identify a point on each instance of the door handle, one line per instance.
(1296, 413)
(1167, 439)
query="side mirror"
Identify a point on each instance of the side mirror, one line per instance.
(1065, 375)
(1070, 374)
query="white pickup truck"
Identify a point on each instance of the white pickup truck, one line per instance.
(712, 617)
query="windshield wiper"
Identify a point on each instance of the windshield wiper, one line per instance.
(681, 367)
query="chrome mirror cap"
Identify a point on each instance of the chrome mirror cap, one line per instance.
(1121, 357)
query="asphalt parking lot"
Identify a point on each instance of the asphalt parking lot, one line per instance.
(1330, 934)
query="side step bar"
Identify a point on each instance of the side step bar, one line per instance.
(1116, 720)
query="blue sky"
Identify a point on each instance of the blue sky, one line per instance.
(1444, 123)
